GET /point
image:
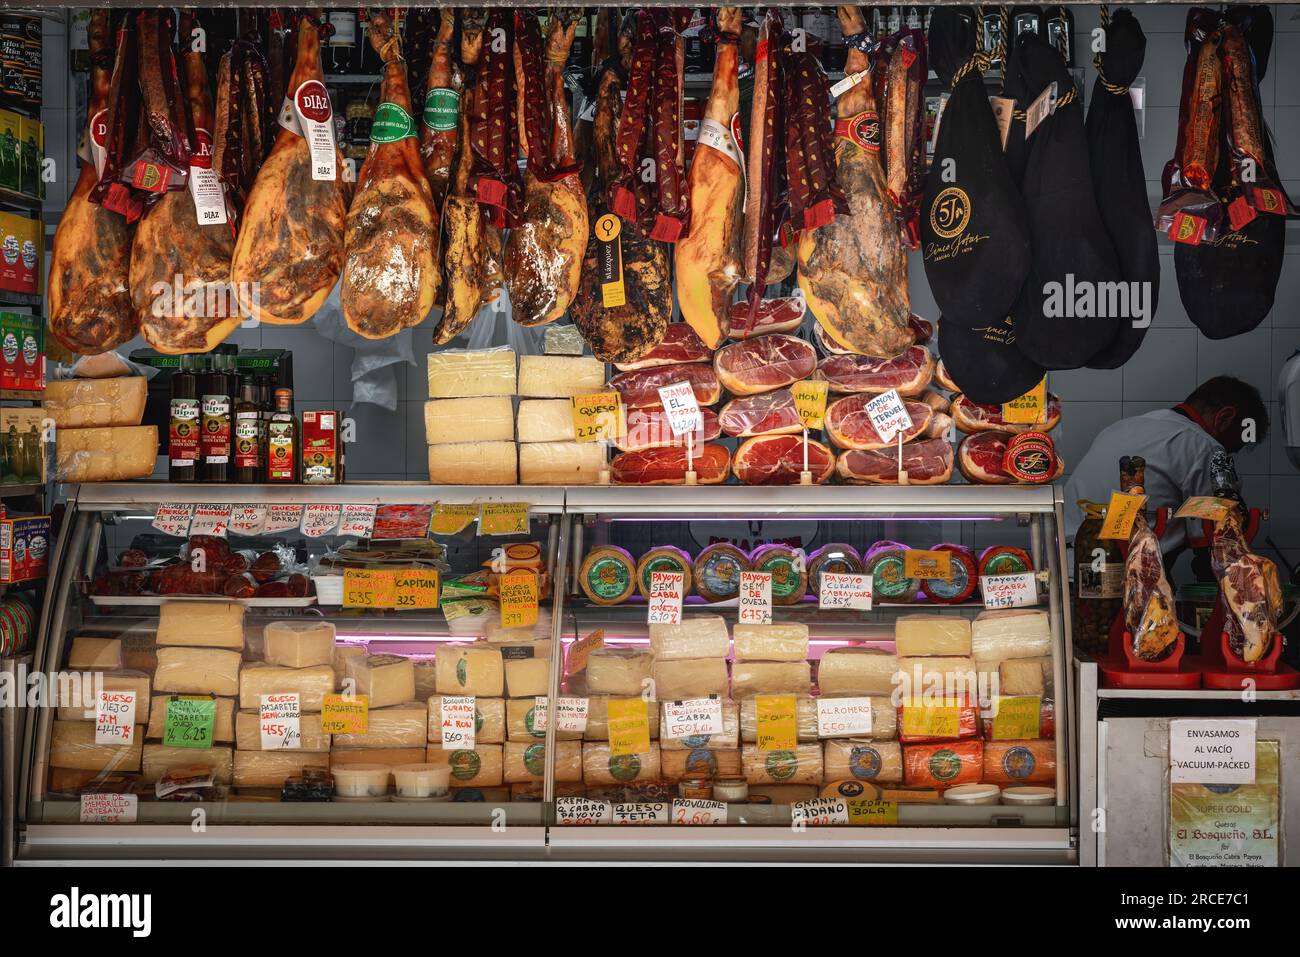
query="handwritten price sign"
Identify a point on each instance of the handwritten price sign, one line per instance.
(1009, 591)
(694, 812)
(888, 415)
(597, 417)
(665, 604)
(844, 591)
(756, 598)
(681, 407)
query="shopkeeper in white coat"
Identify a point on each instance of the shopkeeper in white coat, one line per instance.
(1177, 444)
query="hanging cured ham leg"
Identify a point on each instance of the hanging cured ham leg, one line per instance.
(1148, 599)
(90, 305)
(290, 248)
(440, 129)
(390, 271)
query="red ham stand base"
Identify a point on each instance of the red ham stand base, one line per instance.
(1223, 669)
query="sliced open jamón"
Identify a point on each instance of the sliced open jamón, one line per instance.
(909, 373)
(765, 363)
(778, 460)
(667, 466)
(976, 417)
(640, 389)
(926, 461)
(849, 425)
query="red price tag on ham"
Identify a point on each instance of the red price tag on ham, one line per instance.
(682, 409)
(358, 520)
(756, 598)
(247, 519)
(844, 591)
(173, 519)
(665, 602)
(888, 415)
(280, 722)
(210, 520)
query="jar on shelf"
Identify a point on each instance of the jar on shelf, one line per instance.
(1098, 592)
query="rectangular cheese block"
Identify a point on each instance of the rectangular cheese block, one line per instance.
(931, 635)
(688, 678)
(561, 463)
(521, 723)
(298, 644)
(545, 420)
(72, 782)
(527, 761)
(483, 419)
(527, 667)
(197, 671)
(426, 677)
(139, 652)
(88, 403)
(618, 670)
(863, 759)
(95, 654)
(248, 733)
(857, 671)
(339, 661)
(943, 765)
(76, 698)
(479, 767)
(1018, 676)
(701, 763)
(884, 719)
(471, 372)
(770, 642)
(471, 669)
(1010, 633)
(749, 678)
(310, 684)
(383, 679)
(160, 758)
(204, 624)
(699, 636)
(598, 718)
(1017, 763)
(106, 455)
(489, 720)
(937, 677)
(398, 726)
(560, 377)
(728, 740)
(474, 463)
(803, 765)
(223, 725)
(389, 757)
(270, 769)
(599, 767)
(72, 745)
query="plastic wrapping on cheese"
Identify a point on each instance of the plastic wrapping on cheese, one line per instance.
(270, 769)
(921, 635)
(862, 759)
(477, 767)
(459, 372)
(968, 725)
(607, 576)
(1046, 721)
(727, 740)
(223, 725)
(884, 723)
(544, 420)
(481, 418)
(397, 726)
(938, 677)
(598, 717)
(749, 678)
(700, 763)
(697, 636)
(885, 563)
(426, 677)
(836, 558)
(311, 685)
(339, 661)
(1008, 763)
(770, 642)
(248, 733)
(600, 767)
(803, 765)
(859, 790)
(298, 644)
(77, 700)
(389, 757)
(158, 759)
(95, 654)
(115, 454)
(1019, 676)
(664, 558)
(560, 377)
(72, 745)
(489, 720)
(92, 403)
(943, 765)
(788, 569)
(483, 463)
(689, 678)
(621, 672)
(471, 669)
(857, 671)
(522, 723)
(717, 571)
(197, 671)
(204, 624)
(68, 781)
(1010, 633)
(961, 586)
(526, 761)
(561, 463)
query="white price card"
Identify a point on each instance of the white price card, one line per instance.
(173, 519)
(315, 116)
(579, 811)
(108, 808)
(1009, 591)
(841, 717)
(682, 409)
(115, 717)
(459, 721)
(755, 598)
(844, 591)
(358, 520)
(247, 519)
(320, 520)
(695, 717)
(656, 812)
(210, 520)
(1212, 752)
(280, 722)
(570, 714)
(820, 812)
(282, 518)
(888, 415)
(693, 811)
(664, 606)
(209, 197)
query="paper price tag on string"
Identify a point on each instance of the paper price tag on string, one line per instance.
(629, 728)
(108, 808)
(173, 519)
(1039, 110)
(320, 520)
(580, 811)
(345, 714)
(459, 722)
(841, 716)
(820, 812)
(681, 407)
(845, 591)
(115, 717)
(503, 518)
(664, 606)
(920, 563)
(281, 518)
(280, 722)
(755, 598)
(357, 520)
(369, 588)
(692, 718)
(810, 401)
(1016, 718)
(694, 812)
(1009, 591)
(210, 520)
(888, 415)
(518, 597)
(1121, 513)
(1206, 506)
(1029, 408)
(1003, 107)
(609, 261)
(315, 116)
(598, 417)
(777, 722)
(930, 720)
(247, 519)
(189, 722)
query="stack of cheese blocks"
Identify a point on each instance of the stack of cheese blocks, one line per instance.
(618, 673)
(1015, 645)
(396, 722)
(98, 435)
(860, 672)
(934, 661)
(470, 419)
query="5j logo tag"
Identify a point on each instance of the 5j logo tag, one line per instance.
(950, 212)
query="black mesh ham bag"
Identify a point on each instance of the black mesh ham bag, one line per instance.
(974, 230)
(1119, 179)
(1068, 309)
(985, 363)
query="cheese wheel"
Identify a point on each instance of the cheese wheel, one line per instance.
(521, 723)
(884, 720)
(95, 654)
(389, 757)
(717, 571)
(943, 765)
(91, 403)
(298, 644)
(885, 563)
(477, 767)
(270, 769)
(965, 577)
(527, 666)
(489, 720)
(803, 765)
(857, 790)
(310, 684)
(77, 700)
(912, 725)
(201, 623)
(600, 767)
(700, 763)
(860, 759)
(223, 725)
(399, 726)
(608, 575)
(1019, 762)
(665, 558)
(938, 677)
(1004, 560)
(197, 671)
(788, 569)
(469, 669)
(1021, 676)
(836, 558)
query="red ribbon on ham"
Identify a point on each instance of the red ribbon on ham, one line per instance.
(494, 125)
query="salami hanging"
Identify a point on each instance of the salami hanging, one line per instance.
(901, 60)
(494, 124)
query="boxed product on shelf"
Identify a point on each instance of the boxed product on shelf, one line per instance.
(24, 548)
(477, 767)
(700, 763)
(248, 734)
(680, 678)
(750, 678)
(600, 767)
(310, 684)
(160, 758)
(522, 761)
(22, 239)
(860, 759)
(696, 636)
(384, 679)
(802, 765)
(72, 745)
(31, 154)
(489, 720)
(199, 671)
(22, 357)
(396, 726)
(202, 624)
(223, 725)
(11, 138)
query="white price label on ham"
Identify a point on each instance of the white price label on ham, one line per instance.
(282, 518)
(210, 520)
(755, 598)
(358, 520)
(320, 520)
(579, 811)
(888, 415)
(247, 519)
(695, 717)
(820, 812)
(459, 718)
(1009, 591)
(115, 717)
(681, 407)
(209, 198)
(315, 116)
(696, 812)
(173, 519)
(664, 607)
(108, 808)
(844, 591)
(280, 722)
(840, 717)
(642, 814)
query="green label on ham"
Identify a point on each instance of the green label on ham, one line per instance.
(392, 123)
(442, 109)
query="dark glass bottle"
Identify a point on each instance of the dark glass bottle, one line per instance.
(248, 433)
(283, 440)
(184, 423)
(218, 389)
(265, 409)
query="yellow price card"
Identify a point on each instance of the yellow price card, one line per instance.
(368, 588)
(810, 400)
(1205, 506)
(1028, 408)
(518, 597)
(598, 417)
(778, 723)
(866, 813)
(415, 588)
(452, 519)
(1121, 513)
(503, 518)
(919, 563)
(345, 714)
(629, 729)
(931, 720)
(1017, 717)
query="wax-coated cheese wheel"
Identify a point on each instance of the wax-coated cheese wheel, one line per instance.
(857, 671)
(689, 678)
(700, 763)
(600, 767)
(477, 767)
(784, 642)
(859, 759)
(962, 584)
(223, 724)
(836, 558)
(72, 745)
(470, 669)
(665, 558)
(699, 636)
(919, 635)
(311, 685)
(201, 623)
(858, 790)
(158, 759)
(298, 644)
(803, 765)
(270, 769)
(885, 563)
(1004, 560)
(489, 720)
(1010, 633)
(943, 765)
(750, 678)
(613, 670)
(788, 569)
(523, 761)
(248, 733)
(197, 671)
(1019, 762)
(607, 575)
(717, 571)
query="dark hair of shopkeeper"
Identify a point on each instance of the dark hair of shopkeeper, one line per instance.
(1222, 405)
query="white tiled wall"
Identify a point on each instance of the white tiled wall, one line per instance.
(1173, 359)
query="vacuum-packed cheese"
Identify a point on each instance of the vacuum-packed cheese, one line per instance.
(916, 635)
(884, 719)
(470, 669)
(770, 642)
(1009, 763)
(946, 677)
(204, 624)
(561, 463)
(749, 678)
(700, 636)
(943, 765)
(522, 723)
(298, 644)
(223, 723)
(384, 679)
(860, 759)
(545, 420)
(598, 717)
(560, 377)
(607, 575)
(477, 767)
(389, 757)
(857, 671)
(1010, 633)
(426, 677)
(523, 761)
(270, 769)
(397, 726)
(197, 671)
(95, 654)
(479, 463)
(599, 767)
(727, 740)
(689, 678)
(527, 666)
(483, 419)
(803, 765)
(619, 671)
(459, 372)
(158, 759)
(77, 699)
(311, 685)
(339, 661)
(489, 720)
(106, 455)
(248, 733)
(1020, 676)
(90, 403)
(72, 745)
(699, 763)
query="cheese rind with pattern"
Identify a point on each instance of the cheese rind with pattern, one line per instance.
(803, 765)
(599, 767)
(863, 759)
(197, 671)
(477, 767)
(526, 761)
